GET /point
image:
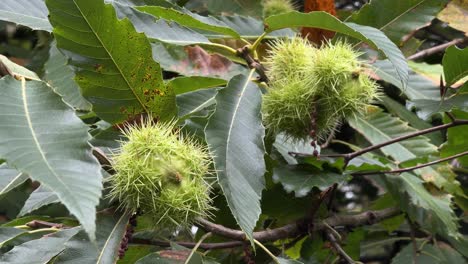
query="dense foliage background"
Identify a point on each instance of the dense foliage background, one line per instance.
(390, 187)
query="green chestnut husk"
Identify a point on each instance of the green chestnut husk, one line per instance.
(162, 174)
(276, 7)
(326, 84)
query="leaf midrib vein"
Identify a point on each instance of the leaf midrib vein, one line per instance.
(38, 145)
(110, 55)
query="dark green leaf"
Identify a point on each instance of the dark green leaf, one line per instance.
(235, 137)
(42, 196)
(301, 179)
(162, 30)
(397, 18)
(9, 233)
(35, 121)
(378, 127)
(111, 227)
(429, 254)
(455, 63)
(40, 250)
(456, 140)
(190, 103)
(182, 85)
(113, 67)
(399, 110)
(10, 178)
(251, 28)
(323, 20)
(431, 212)
(189, 19)
(30, 13)
(243, 7)
(418, 86)
(60, 77)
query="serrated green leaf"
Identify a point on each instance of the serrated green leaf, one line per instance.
(301, 179)
(186, 18)
(35, 121)
(456, 140)
(39, 250)
(29, 13)
(430, 211)
(162, 30)
(10, 178)
(428, 254)
(455, 63)
(323, 20)
(42, 196)
(397, 18)
(418, 86)
(59, 75)
(234, 134)
(399, 110)
(378, 127)
(111, 229)
(114, 68)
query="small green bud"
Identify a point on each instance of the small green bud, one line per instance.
(276, 7)
(155, 164)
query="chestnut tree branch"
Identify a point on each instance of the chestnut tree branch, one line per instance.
(413, 167)
(352, 155)
(336, 245)
(301, 226)
(430, 51)
(290, 230)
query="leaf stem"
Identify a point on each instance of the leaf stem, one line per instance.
(267, 251)
(258, 41)
(338, 248)
(205, 236)
(221, 46)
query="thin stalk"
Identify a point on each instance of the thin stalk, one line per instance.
(275, 259)
(194, 249)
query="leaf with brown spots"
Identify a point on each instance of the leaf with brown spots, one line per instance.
(114, 68)
(317, 35)
(194, 61)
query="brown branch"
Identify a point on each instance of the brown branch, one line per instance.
(244, 53)
(352, 155)
(430, 51)
(412, 168)
(42, 224)
(300, 227)
(288, 231)
(206, 246)
(336, 245)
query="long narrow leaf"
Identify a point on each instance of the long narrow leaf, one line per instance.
(235, 137)
(41, 136)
